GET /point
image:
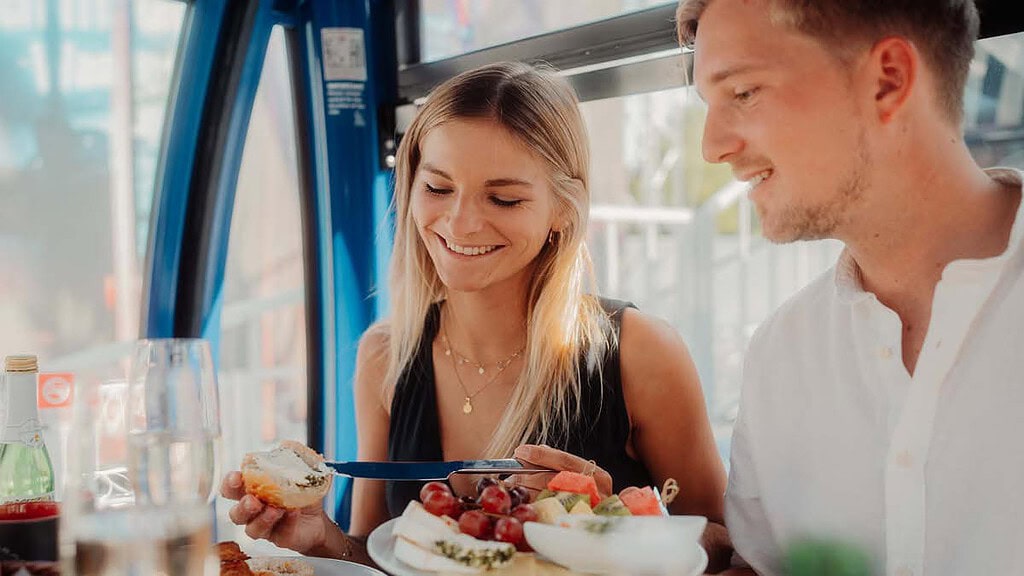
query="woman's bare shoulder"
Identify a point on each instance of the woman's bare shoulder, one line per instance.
(377, 337)
(649, 336)
(373, 354)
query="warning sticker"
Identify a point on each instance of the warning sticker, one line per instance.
(344, 54)
(346, 96)
(55, 390)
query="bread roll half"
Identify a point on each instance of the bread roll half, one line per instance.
(289, 476)
(280, 567)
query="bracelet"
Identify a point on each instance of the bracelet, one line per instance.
(350, 541)
(347, 553)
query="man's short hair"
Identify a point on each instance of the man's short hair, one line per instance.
(944, 32)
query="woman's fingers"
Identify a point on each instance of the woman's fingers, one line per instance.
(231, 486)
(532, 482)
(262, 525)
(247, 508)
(548, 457)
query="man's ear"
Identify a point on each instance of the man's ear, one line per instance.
(894, 66)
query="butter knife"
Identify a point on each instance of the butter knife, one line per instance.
(430, 470)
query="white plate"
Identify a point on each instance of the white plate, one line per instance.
(332, 567)
(381, 547)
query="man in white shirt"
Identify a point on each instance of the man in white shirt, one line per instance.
(883, 406)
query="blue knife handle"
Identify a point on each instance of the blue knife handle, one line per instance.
(428, 470)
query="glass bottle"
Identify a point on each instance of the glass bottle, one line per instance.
(26, 472)
(29, 516)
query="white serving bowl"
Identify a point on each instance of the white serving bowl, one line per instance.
(635, 545)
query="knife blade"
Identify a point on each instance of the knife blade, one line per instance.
(430, 470)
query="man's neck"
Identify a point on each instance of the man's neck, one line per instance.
(920, 226)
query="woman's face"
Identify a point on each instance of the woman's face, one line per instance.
(482, 204)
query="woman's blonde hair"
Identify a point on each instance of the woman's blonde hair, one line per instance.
(564, 324)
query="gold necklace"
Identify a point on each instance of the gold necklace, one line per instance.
(481, 368)
(467, 404)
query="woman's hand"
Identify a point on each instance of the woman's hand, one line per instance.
(548, 457)
(302, 530)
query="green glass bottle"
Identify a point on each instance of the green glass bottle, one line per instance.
(29, 516)
(26, 472)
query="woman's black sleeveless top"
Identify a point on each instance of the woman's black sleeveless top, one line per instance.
(601, 435)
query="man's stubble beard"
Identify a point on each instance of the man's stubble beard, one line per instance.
(816, 222)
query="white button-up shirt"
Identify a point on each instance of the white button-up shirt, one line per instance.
(836, 440)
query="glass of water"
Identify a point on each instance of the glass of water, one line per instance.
(173, 422)
(108, 528)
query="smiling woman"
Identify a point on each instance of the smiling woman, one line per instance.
(494, 340)
(481, 225)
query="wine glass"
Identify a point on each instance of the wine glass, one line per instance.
(107, 529)
(173, 421)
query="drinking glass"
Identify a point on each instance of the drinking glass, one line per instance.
(107, 529)
(174, 424)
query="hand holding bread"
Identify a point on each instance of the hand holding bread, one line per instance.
(280, 494)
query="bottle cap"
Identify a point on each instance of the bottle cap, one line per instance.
(21, 363)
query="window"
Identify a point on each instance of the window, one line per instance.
(82, 101)
(678, 237)
(263, 323)
(994, 102)
(452, 27)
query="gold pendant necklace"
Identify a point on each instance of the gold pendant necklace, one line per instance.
(467, 404)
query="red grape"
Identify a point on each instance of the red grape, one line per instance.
(433, 487)
(476, 524)
(484, 482)
(519, 495)
(508, 529)
(443, 503)
(495, 499)
(524, 513)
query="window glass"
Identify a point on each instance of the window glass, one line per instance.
(452, 27)
(994, 102)
(263, 323)
(678, 236)
(83, 95)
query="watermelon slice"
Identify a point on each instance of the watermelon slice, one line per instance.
(641, 501)
(566, 481)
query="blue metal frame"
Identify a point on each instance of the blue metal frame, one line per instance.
(195, 64)
(352, 198)
(350, 192)
(223, 207)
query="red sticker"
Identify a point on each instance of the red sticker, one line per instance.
(55, 390)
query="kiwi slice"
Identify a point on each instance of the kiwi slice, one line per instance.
(569, 499)
(612, 506)
(545, 493)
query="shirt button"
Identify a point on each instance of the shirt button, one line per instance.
(904, 459)
(885, 352)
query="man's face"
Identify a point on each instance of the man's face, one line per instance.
(783, 113)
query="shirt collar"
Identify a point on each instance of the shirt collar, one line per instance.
(847, 278)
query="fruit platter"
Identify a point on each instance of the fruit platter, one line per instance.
(567, 528)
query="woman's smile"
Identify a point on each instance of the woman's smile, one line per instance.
(467, 250)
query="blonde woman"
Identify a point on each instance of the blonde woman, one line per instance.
(493, 346)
